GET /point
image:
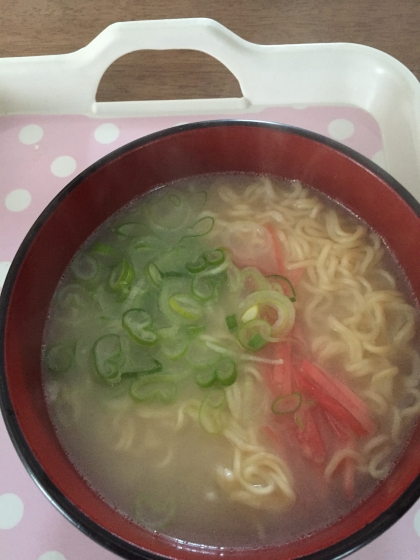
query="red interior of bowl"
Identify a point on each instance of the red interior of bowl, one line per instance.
(235, 148)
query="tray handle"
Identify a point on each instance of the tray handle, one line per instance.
(68, 83)
(200, 34)
(269, 76)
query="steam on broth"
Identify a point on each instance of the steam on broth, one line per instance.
(230, 355)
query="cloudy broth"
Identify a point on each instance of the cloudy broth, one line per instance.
(229, 356)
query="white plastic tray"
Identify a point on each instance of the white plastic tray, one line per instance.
(51, 127)
(269, 75)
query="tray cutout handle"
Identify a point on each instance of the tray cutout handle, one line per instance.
(196, 34)
(166, 75)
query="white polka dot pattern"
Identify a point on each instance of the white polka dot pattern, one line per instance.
(31, 134)
(63, 166)
(106, 133)
(52, 555)
(341, 129)
(4, 269)
(417, 522)
(18, 200)
(11, 510)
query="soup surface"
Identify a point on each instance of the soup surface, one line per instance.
(230, 361)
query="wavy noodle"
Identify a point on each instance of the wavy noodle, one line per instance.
(357, 323)
(68, 406)
(355, 317)
(167, 460)
(338, 457)
(241, 356)
(257, 478)
(374, 443)
(240, 444)
(149, 412)
(188, 409)
(378, 403)
(127, 432)
(414, 409)
(377, 467)
(396, 425)
(383, 382)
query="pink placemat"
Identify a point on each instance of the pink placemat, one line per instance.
(39, 155)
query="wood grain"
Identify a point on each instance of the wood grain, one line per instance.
(37, 27)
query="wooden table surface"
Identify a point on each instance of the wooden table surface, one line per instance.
(38, 27)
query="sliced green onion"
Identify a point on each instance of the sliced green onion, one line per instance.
(103, 248)
(85, 267)
(255, 334)
(72, 295)
(174, 347)
(287, 404)
(197, 200)
(173, 274)
(214, 257)
(197, 266)
(202, 288)
(223, 373)
(155, 387)
(205, 378)
(147, 242)
(251, 280)
(216, 398)
(145, 365)
(210, 415)
(141, 365)
(168, 210)
(289, 285)
(202, 227)
(168, 332)
(194, 330)
(130, 229)
(137, 322)
(256, 342)
(226, 372)
(275, 300)
(59, 358)
(173, 258)
(73, 301)
(250, 314)
(186, 306)
(232, 323)
(216, 271)
(200, 355)
(174, 198)
(121, 276)
(154, 512)
(154, 274)
(108, 357)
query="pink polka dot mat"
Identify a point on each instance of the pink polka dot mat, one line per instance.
(39, 155)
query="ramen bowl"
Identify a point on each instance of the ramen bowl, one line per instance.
(90, 199)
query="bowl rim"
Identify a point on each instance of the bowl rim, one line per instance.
(90, 528)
